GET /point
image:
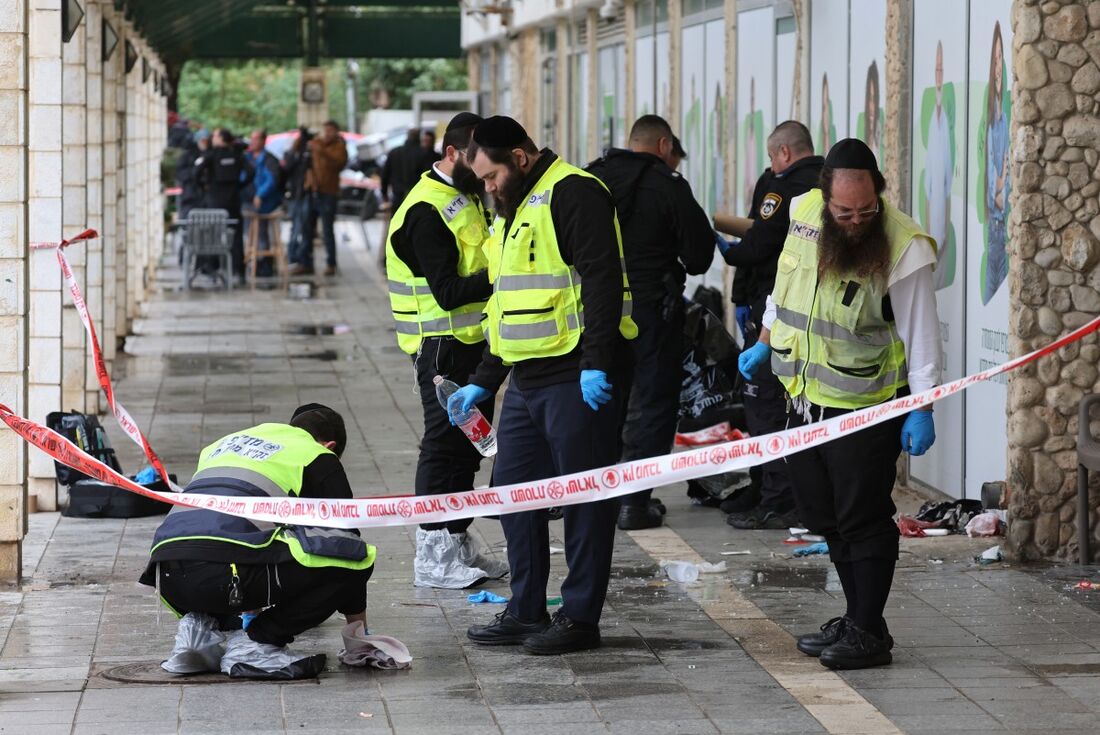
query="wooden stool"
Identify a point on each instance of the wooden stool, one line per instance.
(252, 252)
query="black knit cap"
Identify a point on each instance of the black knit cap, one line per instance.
(321, 420)
(851, 153)
(499, 131)
(463, 120)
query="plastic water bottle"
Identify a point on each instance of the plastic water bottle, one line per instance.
(473, 423)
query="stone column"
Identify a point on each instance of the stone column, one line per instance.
(135, 188)
(112, 131)
(732, 128)
(95, 199)
(561, 88)
(895, 163)
(74, 210)
(526, 78)
(675, 36)
(1054, 282)
(473, 69)
(630, 23)
(44, 224)
(13, 280)
(802, 60)
(123, 195)
(592, 145)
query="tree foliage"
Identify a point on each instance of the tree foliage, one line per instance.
(243, 95)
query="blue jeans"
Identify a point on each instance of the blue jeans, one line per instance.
(325, 207)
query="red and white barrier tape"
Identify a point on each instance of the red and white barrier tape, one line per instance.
(125, 420)
(579, 487)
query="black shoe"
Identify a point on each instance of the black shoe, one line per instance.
(637, 517)
(506, 630)
(563, 636)
(760, 518)
(555, 514)
(741, 502)
(812, 644)
(858, 649)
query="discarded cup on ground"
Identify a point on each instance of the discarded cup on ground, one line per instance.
(680, 571)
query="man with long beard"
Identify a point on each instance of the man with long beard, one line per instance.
(565, 347)
(852, 323)
(439, 284)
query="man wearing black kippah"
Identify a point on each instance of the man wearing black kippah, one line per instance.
(851, 322)
(565, 348)
(438, 283)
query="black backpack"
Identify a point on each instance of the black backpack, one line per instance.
(87, 433)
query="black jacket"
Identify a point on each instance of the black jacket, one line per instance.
(224, 172)
(755, 257)
(665, 231)
(403, 167)
(583, 217)
(428, 248)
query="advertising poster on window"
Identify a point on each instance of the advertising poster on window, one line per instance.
(828, 73)
(755, 99)
(717, 123)
(939, 205)
(988, 187)
(692, 85)
(664, 92)
(645, 78)
(867, 73)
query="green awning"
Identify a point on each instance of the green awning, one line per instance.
(180, 30)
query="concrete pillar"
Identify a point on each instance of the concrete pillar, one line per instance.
(112, 71)
(561, 88)
(731, 127)
(13, 279)
(802, 60)
(124, 194)
(473, 69)
(93, 289)
(675, 36)
(74, 210)
(313, 114)
(44, 224)
(1053, 253)
(135, 187)
(630, 41)
(592, 145)
(895, 166)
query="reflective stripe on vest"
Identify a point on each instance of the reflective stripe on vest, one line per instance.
(536, 309)
(415, 311)
(265, 460)
(830, 340)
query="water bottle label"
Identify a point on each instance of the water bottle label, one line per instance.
(478, 428)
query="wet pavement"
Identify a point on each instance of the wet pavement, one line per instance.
(979, 648)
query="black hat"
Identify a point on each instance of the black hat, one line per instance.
(308, 407)
(499, 131)
(851, 153)
(463, 120)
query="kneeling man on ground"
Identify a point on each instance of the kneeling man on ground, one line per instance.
(285, 580)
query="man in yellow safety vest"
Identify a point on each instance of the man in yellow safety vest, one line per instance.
(851, 323)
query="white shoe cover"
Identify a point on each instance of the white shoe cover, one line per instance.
(440, 561)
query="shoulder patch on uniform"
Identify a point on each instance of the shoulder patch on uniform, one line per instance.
(457, 204)
(770, 205)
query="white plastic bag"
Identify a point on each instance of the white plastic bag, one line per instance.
(198, 646)
(984, 524)
(246, 659)
(451, 561)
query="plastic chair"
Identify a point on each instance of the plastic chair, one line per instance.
(1088, 458)
(207, 234)
(275, 249)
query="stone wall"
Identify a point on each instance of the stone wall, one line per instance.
(1053, 279)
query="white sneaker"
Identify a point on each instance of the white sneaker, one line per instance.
(246, 659)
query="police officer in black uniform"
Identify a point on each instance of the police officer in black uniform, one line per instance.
(224, 171)
(794, 171)
(666, 234)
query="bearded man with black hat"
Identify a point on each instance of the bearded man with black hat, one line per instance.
(438, 282)
(274, 581)
(851, 323)
(555, 229)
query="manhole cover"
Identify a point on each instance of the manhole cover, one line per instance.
(152, 673)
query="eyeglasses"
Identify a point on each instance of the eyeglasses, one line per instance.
(849, 215)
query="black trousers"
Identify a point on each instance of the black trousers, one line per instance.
(842, 489)
(546, 432)
(654, 392)
(448, 460)
(299, 597)
(765, 402)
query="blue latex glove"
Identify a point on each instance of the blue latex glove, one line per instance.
(147, 476)
(819, 548)
(744, 313)
(464, 399)
(918, 433)
(485, 596)
(595, 390)
(723, 244)
(246, 618)
(751, 359)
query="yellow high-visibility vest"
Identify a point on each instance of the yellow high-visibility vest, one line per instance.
(536, 309)
(415, 310)
(831, 340)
